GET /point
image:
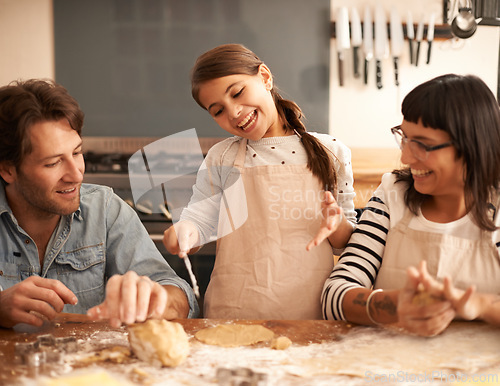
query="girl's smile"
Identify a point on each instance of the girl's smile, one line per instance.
(247, 122)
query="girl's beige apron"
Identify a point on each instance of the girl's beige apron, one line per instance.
(262, 269)
(466, 261)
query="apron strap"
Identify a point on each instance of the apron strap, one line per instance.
(239, 161)
(405, 221)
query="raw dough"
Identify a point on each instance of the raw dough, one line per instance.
(159, 342)
(424, 298)
(85, 378)
(234, 335)
(117, 354)
(281, 343)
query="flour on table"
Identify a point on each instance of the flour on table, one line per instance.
(361, 357)
(362, 354)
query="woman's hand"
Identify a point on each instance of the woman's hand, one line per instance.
(181, 239)
(332, 218)
(427, 319)
(466, 305)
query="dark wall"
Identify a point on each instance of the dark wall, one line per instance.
(128, 61)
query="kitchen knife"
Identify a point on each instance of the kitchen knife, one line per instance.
(367, 39)
(410, 33)
(356, 39)
(380, 41)
(397, 41)
(430, 36)
(343, 41)
(418, 38)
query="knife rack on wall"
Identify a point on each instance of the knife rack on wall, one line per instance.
(441, 31)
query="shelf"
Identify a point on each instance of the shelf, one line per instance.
(441, 31)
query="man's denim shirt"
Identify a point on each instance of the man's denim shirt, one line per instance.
(102, 238)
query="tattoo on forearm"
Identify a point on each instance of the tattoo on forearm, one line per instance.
(385, 305)
(360, 300)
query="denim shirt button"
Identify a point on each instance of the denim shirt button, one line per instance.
(27, 241)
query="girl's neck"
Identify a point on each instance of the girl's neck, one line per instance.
(277, 129)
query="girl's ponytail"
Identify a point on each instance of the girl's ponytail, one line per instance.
(319, 158)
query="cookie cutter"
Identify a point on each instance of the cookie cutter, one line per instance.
(45, 349)
(240, 376)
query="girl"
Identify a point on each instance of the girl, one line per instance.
(262, 269)
(440, 213)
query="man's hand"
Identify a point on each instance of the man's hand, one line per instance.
(33, 300)
(132, 298)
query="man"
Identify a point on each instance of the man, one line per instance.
(64, 245)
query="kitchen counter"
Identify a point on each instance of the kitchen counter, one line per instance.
(368, 166)
(322, 353)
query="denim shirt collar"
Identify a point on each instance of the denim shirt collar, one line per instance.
(5, 208)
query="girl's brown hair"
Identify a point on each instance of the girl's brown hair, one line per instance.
(233, 59)
(467, 110)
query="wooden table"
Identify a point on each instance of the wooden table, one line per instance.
(320, 354)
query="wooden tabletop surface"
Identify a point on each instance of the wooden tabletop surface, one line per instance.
(322, 352)
(300, 332)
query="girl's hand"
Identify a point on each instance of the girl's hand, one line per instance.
(181, 238)
(427, 319)
(332, 218)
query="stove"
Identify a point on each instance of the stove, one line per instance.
(112, 170)
(108, 160)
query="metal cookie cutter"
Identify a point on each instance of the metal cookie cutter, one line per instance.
(45, 349)
(240, 376)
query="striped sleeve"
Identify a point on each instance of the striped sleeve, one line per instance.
(359, 264)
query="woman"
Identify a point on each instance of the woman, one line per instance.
(262, 269)
(438, 213)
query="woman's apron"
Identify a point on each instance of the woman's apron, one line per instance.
(466, 261)
(262, 269)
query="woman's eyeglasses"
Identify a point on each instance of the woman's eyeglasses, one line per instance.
(419, 149)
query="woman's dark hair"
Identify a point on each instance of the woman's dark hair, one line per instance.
(467, 110)
(25, 103)
(233, 59)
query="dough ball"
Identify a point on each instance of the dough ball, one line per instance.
(159, 342)
(281, 343)
(424, 298)
(234, 335)
(85, 377)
